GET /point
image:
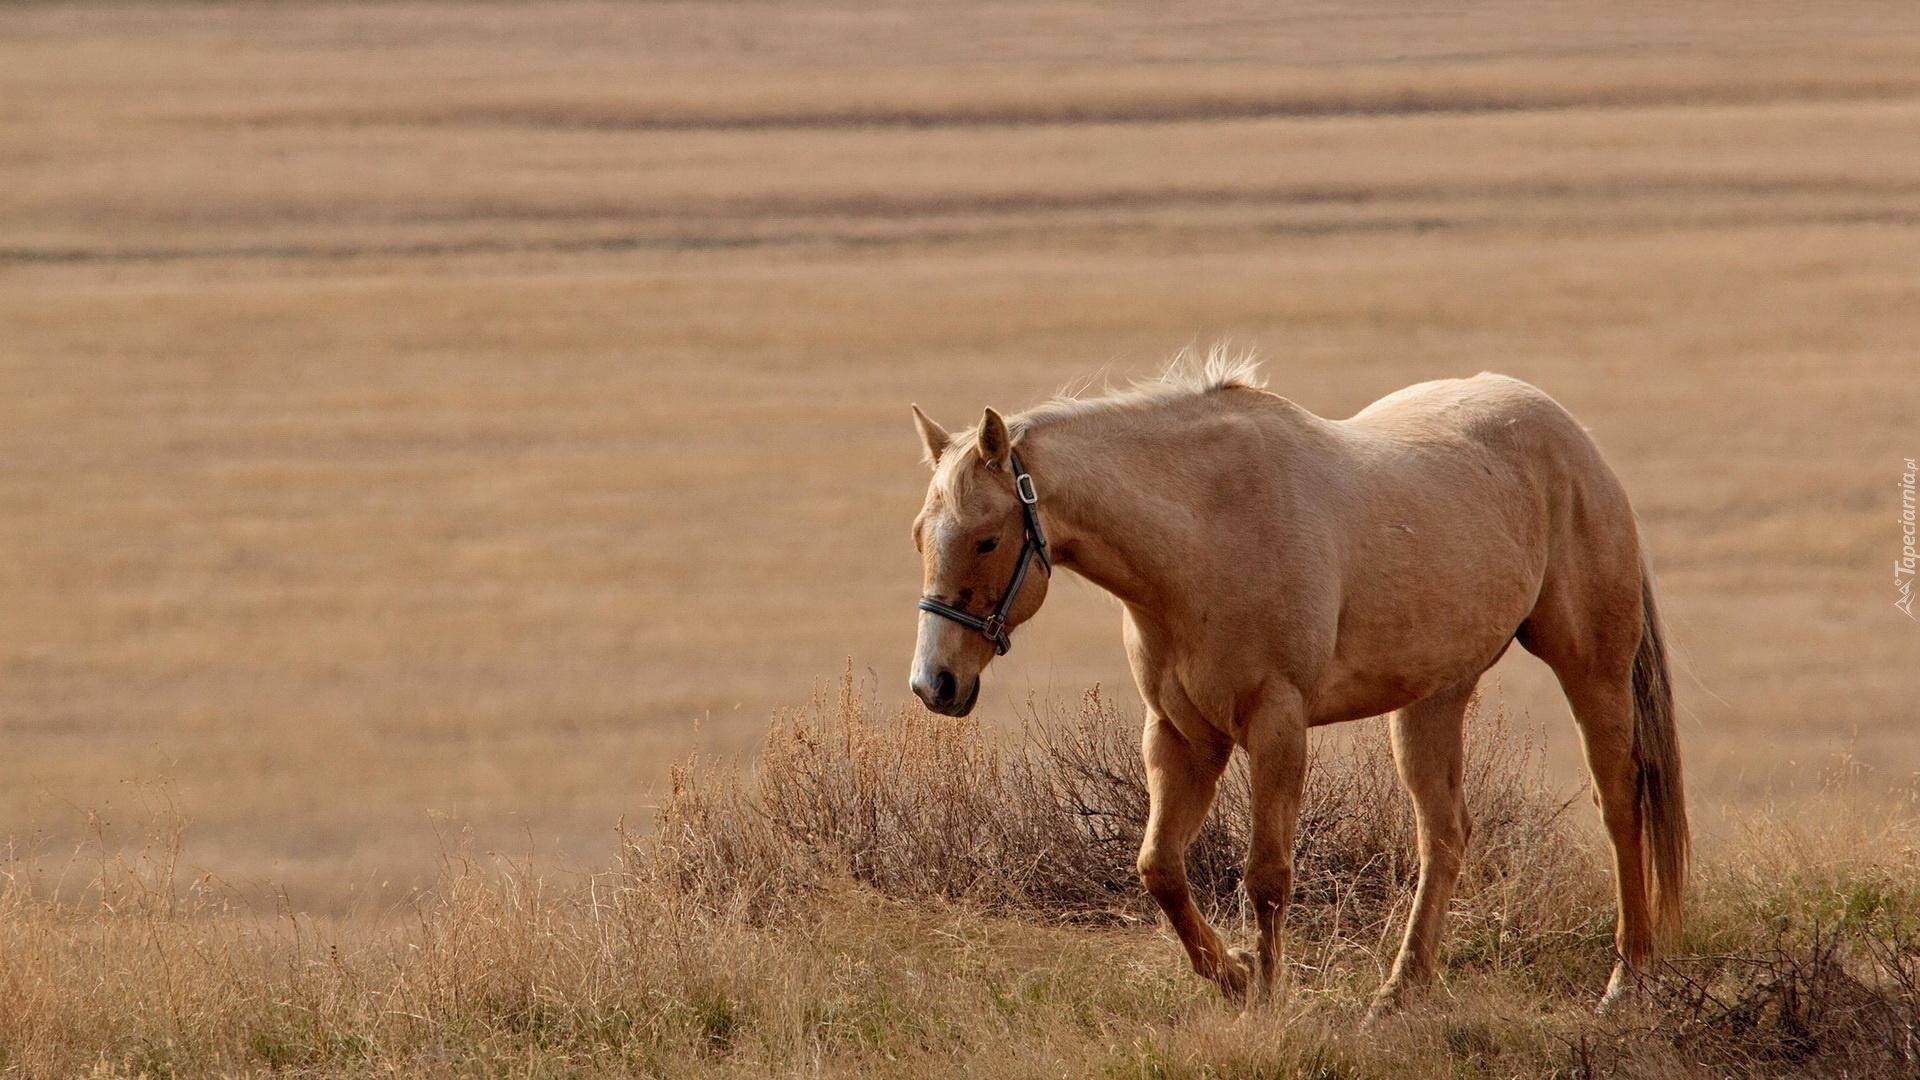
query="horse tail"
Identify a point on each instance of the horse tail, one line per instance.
(1656, 754)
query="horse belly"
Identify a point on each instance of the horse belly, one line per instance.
(1402, 638)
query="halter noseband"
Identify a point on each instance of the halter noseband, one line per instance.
(1034, 542)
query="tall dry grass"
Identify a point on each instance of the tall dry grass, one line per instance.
(888, 893)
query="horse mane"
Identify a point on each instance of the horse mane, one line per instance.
(1189, 374)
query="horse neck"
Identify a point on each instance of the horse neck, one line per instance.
(1118, 506)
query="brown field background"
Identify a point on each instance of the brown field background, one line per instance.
(421, 418)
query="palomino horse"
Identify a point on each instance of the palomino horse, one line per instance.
(1281, 571)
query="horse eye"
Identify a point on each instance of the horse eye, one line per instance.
(987, 545)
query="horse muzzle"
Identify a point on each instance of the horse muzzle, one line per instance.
(942, 694)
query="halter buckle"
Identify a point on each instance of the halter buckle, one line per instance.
(994, 627)
(1023, 486)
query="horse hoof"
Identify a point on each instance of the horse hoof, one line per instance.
(1247, 975)
(1617, 998)
(1623, 990)
(1389, 1001)
(1237, 975)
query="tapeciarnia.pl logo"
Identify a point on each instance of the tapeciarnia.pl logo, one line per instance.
(1903, 567)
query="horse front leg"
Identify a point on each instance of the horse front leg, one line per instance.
(1276, 739)
(1182, 776)
(1429, 751)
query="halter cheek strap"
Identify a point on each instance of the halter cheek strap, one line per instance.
(1034, 542)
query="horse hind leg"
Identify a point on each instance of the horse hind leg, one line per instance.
(1429, 751)
(1593, 660)
(1603, 706)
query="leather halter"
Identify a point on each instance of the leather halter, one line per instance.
(1034, 542)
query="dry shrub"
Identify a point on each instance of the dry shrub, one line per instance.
(1843, 1002)
(1046, 822)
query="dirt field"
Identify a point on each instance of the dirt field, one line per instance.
(426, 417)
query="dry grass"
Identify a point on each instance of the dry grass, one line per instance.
(773, 925)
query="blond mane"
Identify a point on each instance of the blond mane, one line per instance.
(1189, 374)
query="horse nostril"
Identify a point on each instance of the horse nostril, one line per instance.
(944, 687)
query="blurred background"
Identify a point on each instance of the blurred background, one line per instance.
(428, 420)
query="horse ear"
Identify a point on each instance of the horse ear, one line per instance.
(932, 435)
(994, 442)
